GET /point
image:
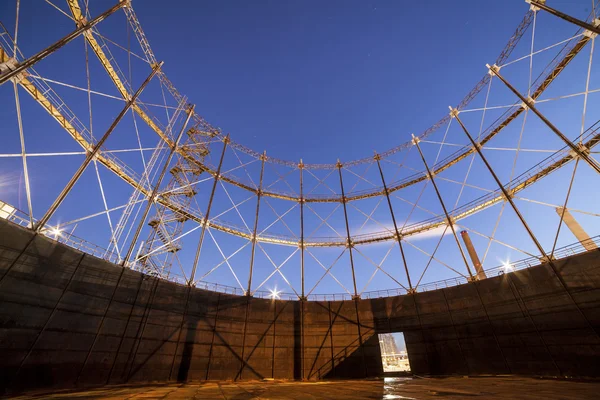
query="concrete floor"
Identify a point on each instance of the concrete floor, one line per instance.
(388, 389)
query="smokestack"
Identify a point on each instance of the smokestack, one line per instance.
(577, 230)
(473, 254)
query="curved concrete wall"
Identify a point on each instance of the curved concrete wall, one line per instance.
(64, 321)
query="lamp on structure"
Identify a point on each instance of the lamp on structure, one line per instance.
(274, 294)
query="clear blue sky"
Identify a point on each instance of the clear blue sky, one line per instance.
(313, 80)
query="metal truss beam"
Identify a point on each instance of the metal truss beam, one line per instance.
(530, 104)
(91, 153)
(507, 195)
(439, 196)
(85, 27)
(566, 17)
(204, 220)
(258, 195)
(152, 197)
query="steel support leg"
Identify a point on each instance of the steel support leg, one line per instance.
(508, 197)
(529, 103)
(258, 196)
(154, 193)
(559, 14)
(207, 214)
(52, 48)
(349, 238)
(439, 196)
(91, 153)
(398, 237)
(301, 167)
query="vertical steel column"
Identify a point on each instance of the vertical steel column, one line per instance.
(398, 237)
(154, 193)
(508, 197)
(576, 229)
(439, 196)
(529, 103)
(582, 24)
(258, 196)
(355, 297)
(207, 214)
(473, 254)
(339, 167)
(301, 167)
(112, 296)
(91, 153)
(52, 48)
(145, 318)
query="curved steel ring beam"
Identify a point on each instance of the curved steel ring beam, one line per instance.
(114, 164)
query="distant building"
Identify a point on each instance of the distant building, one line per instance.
(393, 359)
(387, 344)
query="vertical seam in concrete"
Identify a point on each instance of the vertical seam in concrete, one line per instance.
(139, 339)
(212, 341)
(414, 299)
(139, 328)
(302, 338)
(330, 340)
(185, 309)
(314, 363)
(126, 328)
(475, 283)
(455, 331)
(100, 325)
(515, 292)
(360, 342)
(39, 335)
(239, 374)
(273, 350)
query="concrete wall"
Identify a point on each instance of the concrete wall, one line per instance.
(71, 319)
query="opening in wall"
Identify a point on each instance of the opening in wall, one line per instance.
(394, 356)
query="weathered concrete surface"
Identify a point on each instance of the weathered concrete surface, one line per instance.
(494, 388)
(69, 319)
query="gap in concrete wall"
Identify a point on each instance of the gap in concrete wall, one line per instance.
(394, 355)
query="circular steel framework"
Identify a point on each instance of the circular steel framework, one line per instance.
(194, 199)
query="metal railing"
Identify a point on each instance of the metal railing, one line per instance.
(21, 218)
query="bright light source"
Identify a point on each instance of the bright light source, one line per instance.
(507, 266)
(56, 232)
(274, 294)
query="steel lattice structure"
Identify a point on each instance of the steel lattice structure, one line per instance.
(195, 200)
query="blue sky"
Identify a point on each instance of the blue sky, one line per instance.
(317, 81)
